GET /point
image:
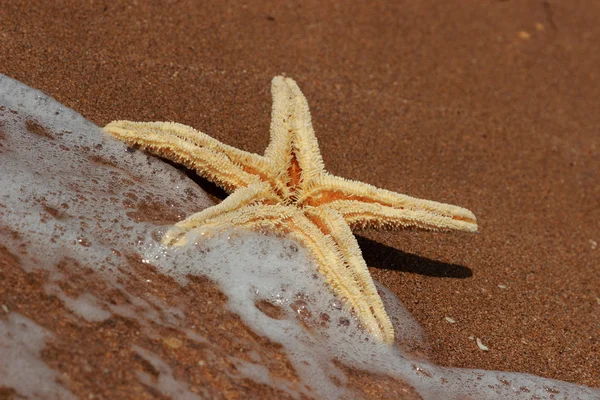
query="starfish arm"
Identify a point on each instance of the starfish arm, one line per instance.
(292, 132)
(361, 215)
(305, 142)
(363, 205)
(280, 143)
(368, 305)
(256, 193)
(227, 166)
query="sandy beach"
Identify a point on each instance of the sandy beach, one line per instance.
(492, 106)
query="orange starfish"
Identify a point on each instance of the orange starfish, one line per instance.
(288, 190)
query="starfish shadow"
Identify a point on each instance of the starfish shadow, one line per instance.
(379, 255)
(216, 193)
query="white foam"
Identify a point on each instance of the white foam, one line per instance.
(250, 267)
(260, 374)
(86, 305)
(63, 203)
(21, 341)
(80, 188)
(165, 382)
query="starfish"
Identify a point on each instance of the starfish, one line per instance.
(288, 190)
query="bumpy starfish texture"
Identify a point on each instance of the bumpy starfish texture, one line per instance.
(288, 190)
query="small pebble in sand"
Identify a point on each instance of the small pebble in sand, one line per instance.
(450, 320)
(172, 342)
(481, 345)
(524, 35)
(539, 26)
(501, 286)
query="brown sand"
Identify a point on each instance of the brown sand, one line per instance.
(489, 105)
